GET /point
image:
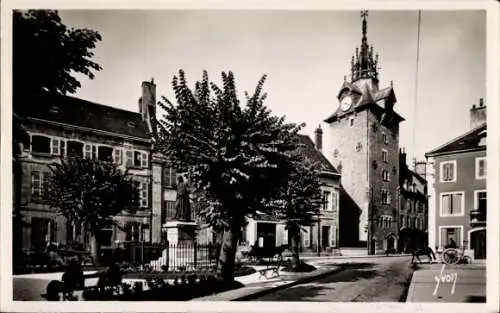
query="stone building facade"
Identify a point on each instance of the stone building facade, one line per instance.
(364, 135)
(59, 126)
(413, 205)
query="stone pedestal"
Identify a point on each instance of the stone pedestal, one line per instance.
(180, 232)
(180, 251)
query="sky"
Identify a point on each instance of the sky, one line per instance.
(305, 55)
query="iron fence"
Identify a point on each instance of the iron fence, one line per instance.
(168, 257)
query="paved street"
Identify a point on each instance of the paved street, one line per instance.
(382, 279)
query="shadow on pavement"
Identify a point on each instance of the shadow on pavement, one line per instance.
(475, 299)
(347, 265)
(350, 275)
(356, 265)
(308, 292)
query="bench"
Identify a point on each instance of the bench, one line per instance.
(274, 264)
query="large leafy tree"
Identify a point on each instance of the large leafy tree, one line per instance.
(298, 202)
(46, 57)
(90, 192)
(234, 156)
(47, 54)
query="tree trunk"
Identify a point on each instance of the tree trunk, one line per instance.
(225, 268)
(218, 245)
(295, 245)
(95, 249)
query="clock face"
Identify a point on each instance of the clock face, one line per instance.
(346, 103)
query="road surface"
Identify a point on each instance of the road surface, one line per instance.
(383, 279)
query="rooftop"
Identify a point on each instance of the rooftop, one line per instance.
(313, 154)
(469, 141)
(81, 113)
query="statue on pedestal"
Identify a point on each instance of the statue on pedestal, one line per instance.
(182, 203)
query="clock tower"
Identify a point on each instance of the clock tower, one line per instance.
(364, 135)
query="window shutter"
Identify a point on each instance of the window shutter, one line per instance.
(45, 183)
(144, 194)
(144, 160)
(444, 239)
(87, 151)
(334, 201)
(55, 148)
(445, 205)
(35, 183)
(117, 155)
(457, 203)
(129, 157)
(63, 147)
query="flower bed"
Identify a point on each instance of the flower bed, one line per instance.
(184, 287)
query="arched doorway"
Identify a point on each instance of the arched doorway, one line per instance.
(390, 242)
(477, 242)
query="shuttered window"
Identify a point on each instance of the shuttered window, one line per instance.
(452, 204)
(448, 171)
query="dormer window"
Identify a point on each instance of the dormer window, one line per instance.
(482, 139)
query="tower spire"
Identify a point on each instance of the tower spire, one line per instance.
(365, 65)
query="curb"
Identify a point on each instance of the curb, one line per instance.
(260, 293)
(411, 289)
(338, 257)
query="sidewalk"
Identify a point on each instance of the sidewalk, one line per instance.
(457, 283)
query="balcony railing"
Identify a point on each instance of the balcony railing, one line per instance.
(477, 218)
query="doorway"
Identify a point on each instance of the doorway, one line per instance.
(390, 243)
(478, 243)
(325, 237)
(266, 231)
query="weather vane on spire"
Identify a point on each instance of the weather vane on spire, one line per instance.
(364, 64)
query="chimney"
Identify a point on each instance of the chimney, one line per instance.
(478, 114)
(319, 138)
(421, 169)
(147, 103)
